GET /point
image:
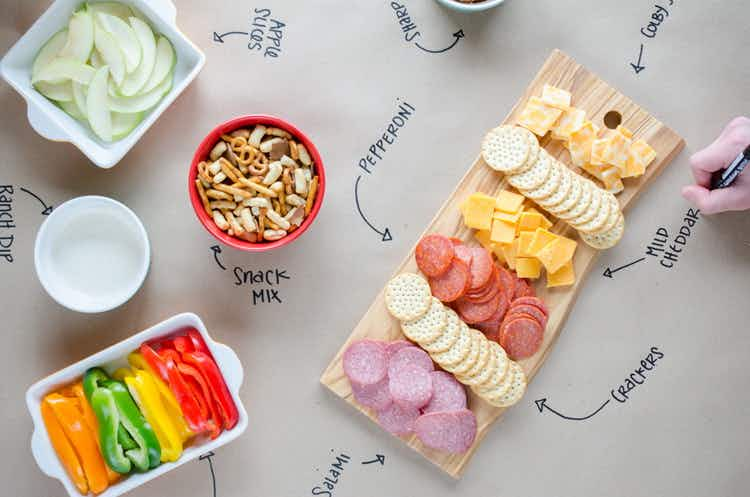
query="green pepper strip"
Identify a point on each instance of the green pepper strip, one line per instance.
(103, 403)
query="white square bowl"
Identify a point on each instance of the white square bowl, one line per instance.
(51, 122)
(111, 358)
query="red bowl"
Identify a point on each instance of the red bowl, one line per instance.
(202, 154)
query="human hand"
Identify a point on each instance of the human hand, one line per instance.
(732, 140)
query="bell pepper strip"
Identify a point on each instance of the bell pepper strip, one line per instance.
(68, 413)
(90, 419)
(65, 451)
(202, 392)
(198, 343)
(216, 384)
(167, 371)
(103, 403)
(182, 344)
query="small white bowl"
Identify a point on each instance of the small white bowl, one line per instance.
(470, 7)
(111, 358)
(92, 254)
(51, 122)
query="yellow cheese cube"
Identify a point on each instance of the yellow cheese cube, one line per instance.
(625, 132)
(502, 232)
(546, 223)
(555, 97)
(524, 241)
(541, 238)
(509, 251)
(563, 277)
(571, 120)
(644, 151)
(483, 237)
(616, 151)
(509, 202)
(595, 171)
(557, 253)
(610, 175)
(529, 221)
(528, 267)
(507, 217)
(634, 167)
(616, 187)
(497, 249)
(597, 151)
(538, 117)
(478, 211)
(580, 143)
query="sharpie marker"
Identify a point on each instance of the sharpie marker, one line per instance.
(732, 171)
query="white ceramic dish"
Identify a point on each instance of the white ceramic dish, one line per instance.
(92, 254)
(51, 122)
(470, 7)
(112, 358)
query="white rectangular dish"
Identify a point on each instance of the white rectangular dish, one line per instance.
(51, 122)
(111, 358)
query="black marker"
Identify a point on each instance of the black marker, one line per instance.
(733, 170)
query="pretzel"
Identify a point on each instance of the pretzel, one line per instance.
(202, 194)
(259, 167)
(237, 143)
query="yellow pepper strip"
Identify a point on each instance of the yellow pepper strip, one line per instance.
(93, 424)
(146, 395)
(67, 410)
(169, 401)
(64, 449)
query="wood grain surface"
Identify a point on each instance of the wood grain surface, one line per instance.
(595, 97)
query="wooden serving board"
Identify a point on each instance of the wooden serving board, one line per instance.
(597, 98)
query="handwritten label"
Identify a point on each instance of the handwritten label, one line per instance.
(264, 283)
(408, 27)
(7, 223)
(658, 16)
(266, 33)
(669, 253)
(378, 148)
(638, 376)
(332, 476)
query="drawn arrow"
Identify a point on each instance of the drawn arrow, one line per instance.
(386, 233)
(637, 67)
(47, 208)
(217, 250)
(609, 272)
(219, 38)
(211, 467)
(378, 458)
(541, 404)
(456, 36)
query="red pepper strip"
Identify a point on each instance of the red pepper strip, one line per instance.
(167, 370)
(194, 378)
(198, 342)
(216, 384)
(183, 344)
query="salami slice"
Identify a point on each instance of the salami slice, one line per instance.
(523, 289)
(452, 432)
(491, 326)
(530, 310)
(376, 396)
(453, 283)
(411, 386)
(447, 393)
(398, 420)
(463, 253)
(532, 301)
(393, 347)
(508, 282)
(409, 356)
(434, 254)
(473, 313)
(481, 267)
(521, 337)
(365, 362)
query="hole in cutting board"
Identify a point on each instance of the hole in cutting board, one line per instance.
(612, 119)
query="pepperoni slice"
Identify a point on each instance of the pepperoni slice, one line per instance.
(491, 326)
(487, 287)
(456, 241)
(452, 284)
(521, 337)
(473, 313)
(481, 267)
(530, 310)
(508, 282)
(434, 254)
(452, 432)
(463, 253)
(532, 301)
(523, 289)
(488, 294)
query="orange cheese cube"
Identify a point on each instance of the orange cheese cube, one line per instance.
(502, 232)
(557, 253)
(563, 277)
(556, 97)
(541, 238)
(478, 210)
(538, 117)
(509, 202)
(597, 151)
(570, 120)
(580, 143)
(528, 267)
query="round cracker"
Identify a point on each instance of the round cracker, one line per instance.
(563, 189)
(408, 296)
(428, 327)
(471, 358)
(480, 373)
(448, 337)
(550, 186)
(533, 151)
(502, 364)
(576, 195)
(458, 350)
(581, 204)
(596, 223)
(505, 149)
(592, 210)
(516, 390)
(482, 360)
(535, 176)
(614, 214)
(607, 239)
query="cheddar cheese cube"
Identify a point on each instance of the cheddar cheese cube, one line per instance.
(483, 237)
(557, 253)
(562, 277)
(541, 238)
(509, 251)
(502, 232)
(538, 117)
(597, 151)
(524, 241)
(595, 170)
(644, 151)
(556, 97)
(529, 221)
(615, 187)
(610, 176)
(528, 267)
(497, 249)
(625, 132)
(634, 167)
(478, 211)
(580, 143)
(507, 217)
(616, 151)
(509, 202)
(570, 120)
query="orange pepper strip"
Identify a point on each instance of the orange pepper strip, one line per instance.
(68, 412)
(64, 450)
(93, 425)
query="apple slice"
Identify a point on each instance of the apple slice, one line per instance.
(165, 60)
(49, 51)
(123, 124)
(143, 102)
(71, 109)
(112, 8)
(80, 36)
(97, 105)
(96, 60)
(125, 37)
(134, 81)
(61, 69)
(79, 97)
(60, 92)
(109, 52)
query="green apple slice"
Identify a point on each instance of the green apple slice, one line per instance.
(97, 105)
(96, 60)
(112, 8)
(140, 103)
(60, 92)
(165, 59)
(72, 110)
(49, 51)
(61, 69)
(109, 52)
(80, 36)
(137, 79)
(124, 124)
(79, 97)
(126, 39)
